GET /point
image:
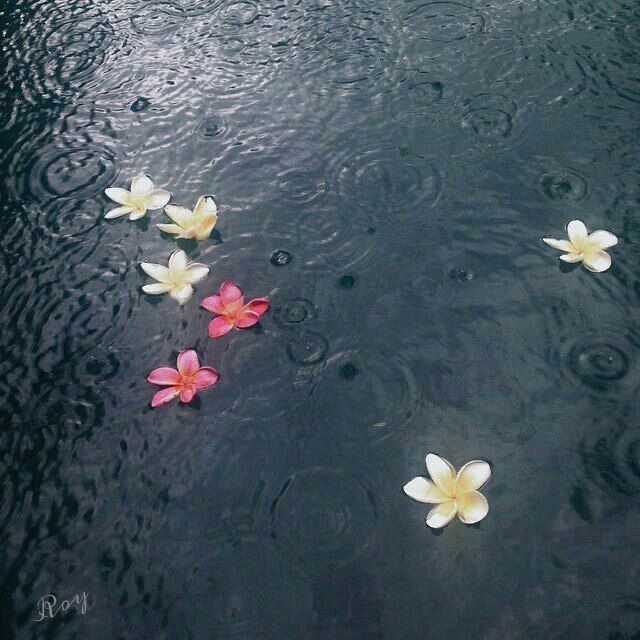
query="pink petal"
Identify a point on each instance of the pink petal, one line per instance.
(205, 377)
(188, 394)
(247, 319)
(258, 305)
(219, 326)
(164, 376)
(234, 308)
(213, 304)
(164, 395)
(229, 292)
(188, 362)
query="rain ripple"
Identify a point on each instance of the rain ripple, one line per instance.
(324, 517)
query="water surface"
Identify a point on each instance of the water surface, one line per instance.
(384, 172)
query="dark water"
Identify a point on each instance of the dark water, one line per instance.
(384, 172)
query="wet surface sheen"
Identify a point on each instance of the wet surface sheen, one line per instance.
(384, 171)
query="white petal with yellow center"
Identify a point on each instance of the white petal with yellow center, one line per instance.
(603, 239)
(563, 245)
(121, 196)
(180, 215)
(441, 472)
(157, 288)
(177, 264)
(472, 476)
(118, 212)
(423, 490)
(138, 212)
(441, 515)
(472, 507)
(571, 257)
(141, 186)
(156, 271)
(173, 229)
(205, 206)
(197, 272)
(182, 293)
(158, 198)
(597, 261)
(576, 231)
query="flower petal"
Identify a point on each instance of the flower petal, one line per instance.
(157, 198)
(603, 239)
(576, 230)
(141, 185)
(156, 288)
(187, 394)
(203, 229)
(164, 376)
(179, 215)
(229, 292)
(441, 515)
(182, 294)
(424, 490)
(197, 272)
(571, 257)
(188, 362)
(472, 507)
(213, 303)
(441, 472)
(156, 271)
(472, 476)
(177, 262)
(597, 261)
(219, 326)
(563, 245)
(246, 319)
(164, 395)
(138, 212)
(258, 305)
(121, 196)
(205, 206)
(117, 212)
(205, 377)
(170, 228)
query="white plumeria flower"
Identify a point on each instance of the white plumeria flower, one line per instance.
(136, 202)
(176, 279)
(452, 494)
(196, 224)
(585, 247)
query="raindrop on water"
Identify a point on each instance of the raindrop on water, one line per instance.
(460, 275)
(140, 104)
(347, 281)
(281, 258)
(307, 348)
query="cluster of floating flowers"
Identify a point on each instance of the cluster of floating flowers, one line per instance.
(457, 494)
(452, 493)
(177, 279)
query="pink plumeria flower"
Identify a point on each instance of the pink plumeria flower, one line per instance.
(189, 378)
(232, 311)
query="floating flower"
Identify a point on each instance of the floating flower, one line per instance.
(176, 279)
(195, 224)
(585, 247)
(453, 494)
(186, 381)
(232, 311)
(136, 202)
